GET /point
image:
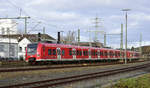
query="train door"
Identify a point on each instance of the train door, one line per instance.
(108, 54)
(98, 53)
(58, 53)
(89, 53)
(74, 53)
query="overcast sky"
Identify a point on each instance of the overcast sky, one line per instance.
(65, 15)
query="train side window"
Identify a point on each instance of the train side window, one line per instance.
(105, 53)
(84, 53)
(54, 51)
(43, 48)
(63, 52)
(89, 52)
(115, 53)
(101, 53)
(77, 52)
(49, 52)
(118, 53)
(70, 52)
(80, 53)
(74, 52)
(110, 53)
(96, 53)
(58, 52)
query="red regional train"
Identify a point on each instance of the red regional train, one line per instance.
(38, 52)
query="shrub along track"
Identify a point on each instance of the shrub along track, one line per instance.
(60, 66)
(75, 78)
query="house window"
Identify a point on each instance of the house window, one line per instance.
(20, 49)
(1, 48)
(25, 48)
(3, 31)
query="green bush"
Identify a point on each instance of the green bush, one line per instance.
(140, 82)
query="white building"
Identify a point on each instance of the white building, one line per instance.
(22, 41)
(8, 48)
(8, 26)
(22, 45)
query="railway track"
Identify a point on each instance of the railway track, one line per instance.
(70, 79)
(58, 67)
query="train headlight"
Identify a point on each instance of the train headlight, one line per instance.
(38, 54)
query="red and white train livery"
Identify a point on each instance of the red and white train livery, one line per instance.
(60, 52)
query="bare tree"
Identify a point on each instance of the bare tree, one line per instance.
(70, 38)
(20, 31)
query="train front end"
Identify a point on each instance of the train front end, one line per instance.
(32, 52)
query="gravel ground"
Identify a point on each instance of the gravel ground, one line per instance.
(103, 82)
(31, 76)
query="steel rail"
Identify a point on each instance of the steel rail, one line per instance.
(57, 67)
(70, 79)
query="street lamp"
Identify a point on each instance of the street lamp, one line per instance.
(126, 10)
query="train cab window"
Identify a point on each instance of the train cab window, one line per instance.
(70, 52)
(49, 52)
(54, 51)
(31, 49)
(63, 52)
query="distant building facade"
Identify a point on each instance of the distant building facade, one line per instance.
(21, 42)
(8, 26)
(8, 48)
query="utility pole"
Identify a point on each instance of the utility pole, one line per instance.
(140, 49)
(8, 32)
(121, 42)
(25, 18)
(43, 30)
(105, 39)
(44, 33)
(78, 36)
(126, 10)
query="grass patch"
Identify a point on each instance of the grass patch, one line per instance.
(140, 82)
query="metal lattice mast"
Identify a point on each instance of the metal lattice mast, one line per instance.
(96, 27)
